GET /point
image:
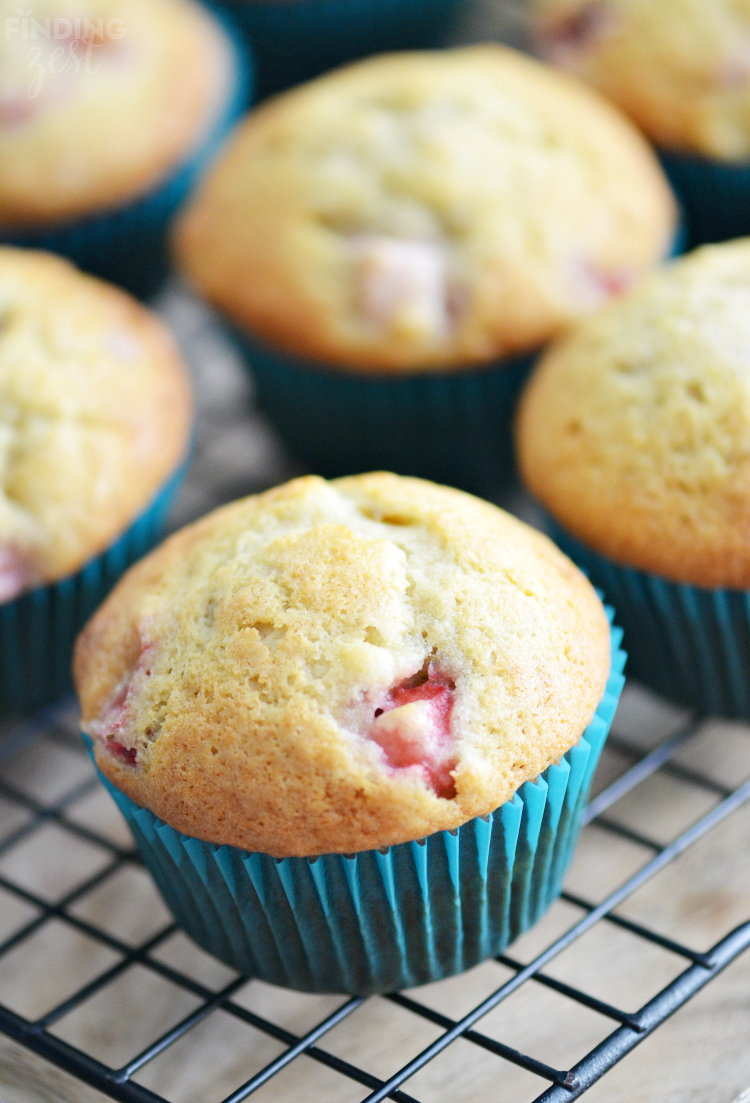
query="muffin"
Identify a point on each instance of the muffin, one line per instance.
(309, 691)
(635, 435)
(295, 40)
(109, 112)
(94, 422)
(395, 239)
(682, 71)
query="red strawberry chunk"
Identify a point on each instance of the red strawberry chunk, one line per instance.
(412, 727)
(128, 755)
(579, 32)
(114, 722)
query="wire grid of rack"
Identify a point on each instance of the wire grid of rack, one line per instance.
(56, 729)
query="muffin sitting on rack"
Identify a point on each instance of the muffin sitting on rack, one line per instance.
(94, 423)
(635, 434)
(395, 239)
(327, 673)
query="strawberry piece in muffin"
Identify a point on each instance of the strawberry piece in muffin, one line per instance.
(413, 728)
(578, 33)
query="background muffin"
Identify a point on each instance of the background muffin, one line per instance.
(327, 669)
(682, 71)
(635, 434)
(412, 216)
(104, 105)
(425, 210)
(94, 426)
(635, 430)
(94, 415)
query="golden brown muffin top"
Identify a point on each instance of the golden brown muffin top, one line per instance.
(680, 68)
(635, 431)
(96, 117)
(426, 210)
(335, 667)
(94, 415)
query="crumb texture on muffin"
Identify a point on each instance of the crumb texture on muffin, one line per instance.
(635, 430)
(426, 210)
(680, 68)
(95, 413)
(335, 667)
(100, 100)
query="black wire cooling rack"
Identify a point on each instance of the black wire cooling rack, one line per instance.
(57, 728)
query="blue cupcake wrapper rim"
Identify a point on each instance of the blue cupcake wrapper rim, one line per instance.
(690, 644)
(295, 40)
(715, 196)
(451, 427)
(128, 245)
(381, 920)
(38, 629)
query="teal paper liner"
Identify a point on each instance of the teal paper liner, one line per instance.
(294, 40)
(715, 196)
(129, 245)
(451, 427)
(689, 644)
(381, 920)
(38, 630)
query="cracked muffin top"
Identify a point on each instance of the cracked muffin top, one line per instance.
(100, 100)
(335, 667)
(635, 430)
(426, 210)
(94, 415)
(680, 68)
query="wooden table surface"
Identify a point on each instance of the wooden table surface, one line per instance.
(701, 1055)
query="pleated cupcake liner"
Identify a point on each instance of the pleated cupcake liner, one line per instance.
(687, 643)
(715, 196)
(38, 629)
(386, 919)
(128, 245)
(451, 427)
(294, 40)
